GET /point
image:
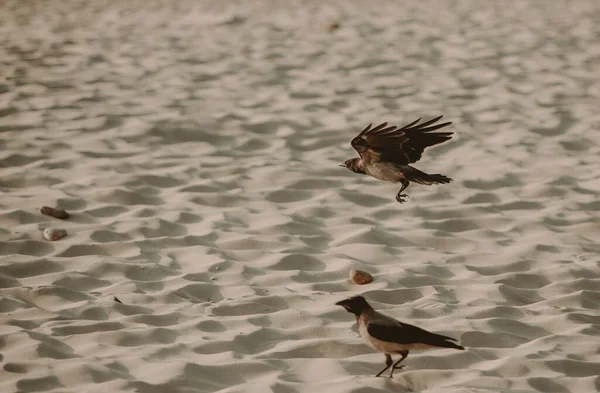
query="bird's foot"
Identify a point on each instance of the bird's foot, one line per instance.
(401, 198)
(398, 367)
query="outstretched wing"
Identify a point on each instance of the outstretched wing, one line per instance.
(371, 143)
(403, 333)
(401, 146)
(419, 137)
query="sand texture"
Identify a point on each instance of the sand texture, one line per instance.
(195, 146)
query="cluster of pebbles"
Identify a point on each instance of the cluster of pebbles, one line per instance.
(54, 234)
(359, 277)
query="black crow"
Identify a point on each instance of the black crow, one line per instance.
(387, 335)
(386, 152)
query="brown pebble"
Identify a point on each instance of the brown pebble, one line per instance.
(360, 277)
(53, 234)
(332, 27)
(55, 212)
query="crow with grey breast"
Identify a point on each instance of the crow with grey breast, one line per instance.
(386, 152)
(387, 335)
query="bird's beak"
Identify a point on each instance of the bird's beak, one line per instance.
(344, 304)
(343, 165)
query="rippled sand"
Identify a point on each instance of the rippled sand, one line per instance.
(196, 146)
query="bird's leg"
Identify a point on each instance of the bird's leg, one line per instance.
(388, 363)
(397, 365)
(400, 196)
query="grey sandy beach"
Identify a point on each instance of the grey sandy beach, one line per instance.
(196, 147)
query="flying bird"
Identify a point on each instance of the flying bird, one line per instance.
(387, 335)
(386, 152)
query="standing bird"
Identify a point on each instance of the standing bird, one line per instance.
(386, 152)
(387, 335)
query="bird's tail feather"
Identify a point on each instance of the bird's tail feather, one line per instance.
(413, 174)
(444, 341)
(450, 344)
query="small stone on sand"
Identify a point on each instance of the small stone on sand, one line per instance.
(360, 277)
(332, 27)
(54, 234)
(55, 212)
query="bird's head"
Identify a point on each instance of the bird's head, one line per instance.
(354, 164)
(355, 305)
